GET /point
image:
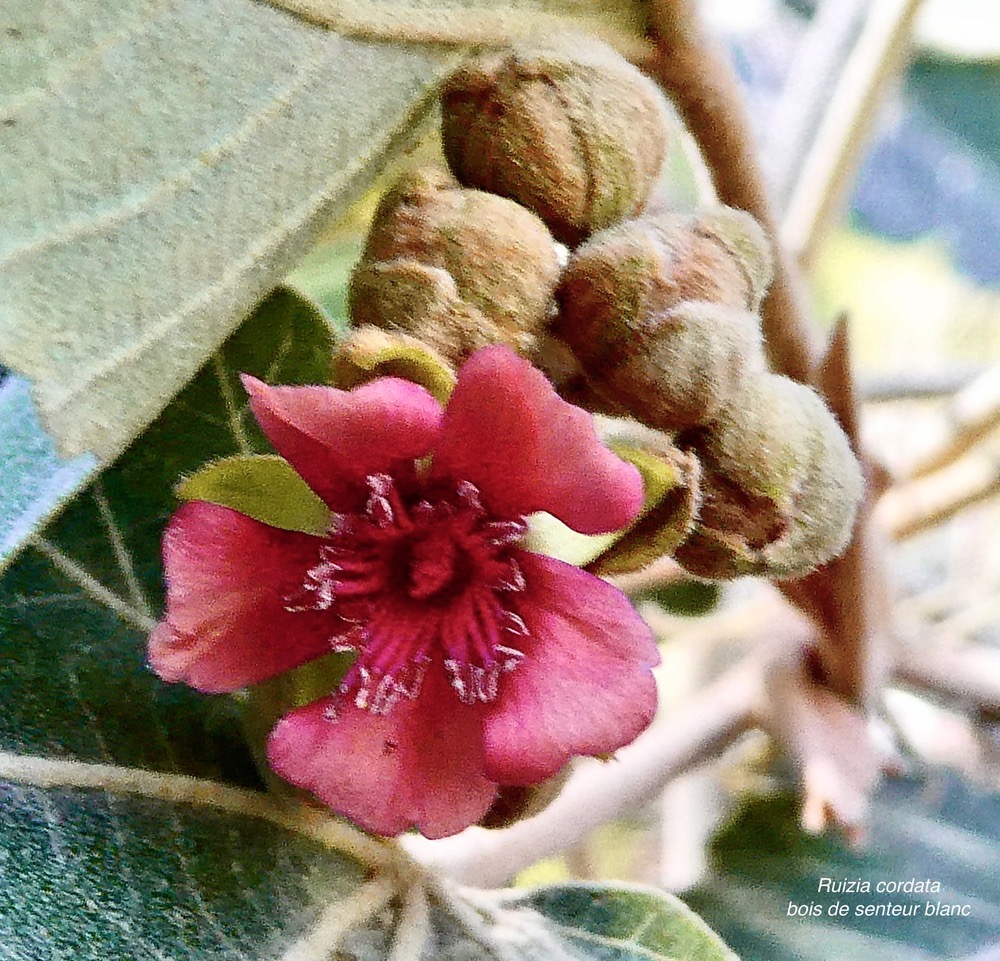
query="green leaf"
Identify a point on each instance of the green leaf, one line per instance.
(96, 876)
(261, 486)
(163, 165)
(610, 922)
(938, 828)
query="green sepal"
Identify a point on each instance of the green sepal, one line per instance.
(670, 478)
(550, 536)
(262, 486)
(370, 353)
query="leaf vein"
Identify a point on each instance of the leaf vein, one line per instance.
(123, 556)
(92, 586)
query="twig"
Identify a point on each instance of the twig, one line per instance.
(910, 508)
(970, 677)
(881, 388)
(975, 414)
(873, 64)
(818, 62)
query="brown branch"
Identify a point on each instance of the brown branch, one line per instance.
(848, 598)
(702, 85)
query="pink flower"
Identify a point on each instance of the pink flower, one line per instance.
(479, 663)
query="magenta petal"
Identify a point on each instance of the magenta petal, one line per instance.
(584, 686)
(509, 433)
(419, 765)
(336, 438)
(227, 577)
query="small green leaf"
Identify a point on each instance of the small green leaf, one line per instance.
(263, 487)
(610, 922)
(671, 503)
(549, 535)
(689, 598)
(370, 352)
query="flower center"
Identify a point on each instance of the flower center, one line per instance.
(433, 560)
(419, 580)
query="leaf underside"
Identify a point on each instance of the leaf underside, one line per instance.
(162, 164)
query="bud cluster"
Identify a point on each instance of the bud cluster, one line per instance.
(564, 144)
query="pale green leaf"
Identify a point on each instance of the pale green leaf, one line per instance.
(263, 487)
(599, 922)
(162, 165)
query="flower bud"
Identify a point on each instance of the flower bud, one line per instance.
(657, 311)
(455, 268)
(780, 485)
(569, 129)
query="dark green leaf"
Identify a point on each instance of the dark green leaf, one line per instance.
(98, 877)
(607, 922)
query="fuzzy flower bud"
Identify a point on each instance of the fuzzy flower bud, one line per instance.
(780, 485)
(658, 312)
(571, 130)
(456, 268)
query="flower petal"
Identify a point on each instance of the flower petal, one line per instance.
(509, 433)
(336, 438)
(584, 686)
(419, 765)
(227, 579)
